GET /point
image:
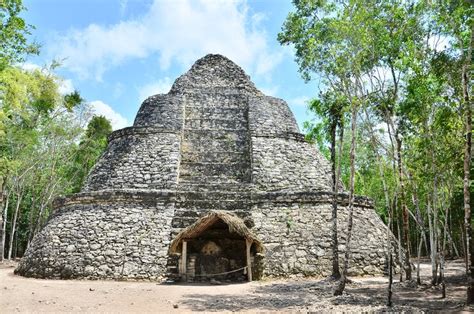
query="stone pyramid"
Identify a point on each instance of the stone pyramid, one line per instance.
(213, 143)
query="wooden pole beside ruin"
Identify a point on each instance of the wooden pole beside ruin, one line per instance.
(248, 244)
(183, 260)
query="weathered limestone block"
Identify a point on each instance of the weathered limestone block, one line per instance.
(137, 158)
(131, 250)
(288, 164)
(288, 254)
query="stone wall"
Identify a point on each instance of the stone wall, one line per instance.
(215, 145)
(119, 234)
(270, 116)
(103, 235)
(137, 158)
(126, 234)
(297, 239)
(190, 205)
(217, 73)
(288, 164)
(161, 111)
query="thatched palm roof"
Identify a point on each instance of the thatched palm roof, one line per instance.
(235, 224)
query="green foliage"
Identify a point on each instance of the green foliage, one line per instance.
(13, 34)
(331, 109)
(37, 137)
(382, 55)
(72, 100)
(45, 152)
(98, 129)
(90, 148)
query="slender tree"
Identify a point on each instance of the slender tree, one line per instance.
(335, 41)
(342, 283)
(2, 205)
(331, 106)
(467, 165)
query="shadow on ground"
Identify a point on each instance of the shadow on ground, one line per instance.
(265, 297)
(317, 295)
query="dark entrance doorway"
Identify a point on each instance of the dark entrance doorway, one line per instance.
(216, 247)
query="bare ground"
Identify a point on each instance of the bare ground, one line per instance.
(18, 294)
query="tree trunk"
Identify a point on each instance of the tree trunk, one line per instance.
(400, 251)
(441, 275)
(13, 230)
(390, 281)
(453, 246)
(420, 244)
(2, 218)
(390, 253)
(467, 170)
(434, 263)
(464, 248)
(342, 283)
(335, 180)
(405, 225)
(3, 235)
(421, 228)
(443, 250)
(390, 126)
(31, 219)
(389, 213)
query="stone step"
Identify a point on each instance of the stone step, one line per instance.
(215, 124)
(231, 170)
(205, 165)
(190, 176)
(213, 205)
(202, 145)
(209, 196)
(213, 187)
(211, 148)
(197, 213)
(217, 107)
(217, 179)
(179, 223)
(216, 157)
(201, 135)
(212, 195)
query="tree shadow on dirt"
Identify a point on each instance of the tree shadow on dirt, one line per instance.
(266, 297)
(318, 296)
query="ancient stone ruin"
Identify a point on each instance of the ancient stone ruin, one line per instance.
(213, 179)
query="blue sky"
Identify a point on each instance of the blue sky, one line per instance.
(118, 52)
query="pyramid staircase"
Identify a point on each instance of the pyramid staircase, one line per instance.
(215, 160)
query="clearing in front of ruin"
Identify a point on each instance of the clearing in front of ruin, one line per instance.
(20, 294)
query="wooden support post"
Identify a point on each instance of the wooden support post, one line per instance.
(248, 244)
(183, 261)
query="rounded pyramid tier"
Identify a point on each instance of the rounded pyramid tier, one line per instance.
(214, 144)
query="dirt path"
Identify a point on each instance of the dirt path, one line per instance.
(19, 294)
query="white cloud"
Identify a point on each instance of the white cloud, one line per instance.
(102, 109)
(27, 66)
(269, 91)
(299, 101)
(65, 87)
(161, 86)
(173, 31)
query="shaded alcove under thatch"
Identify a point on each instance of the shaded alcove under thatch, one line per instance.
(218, 245)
